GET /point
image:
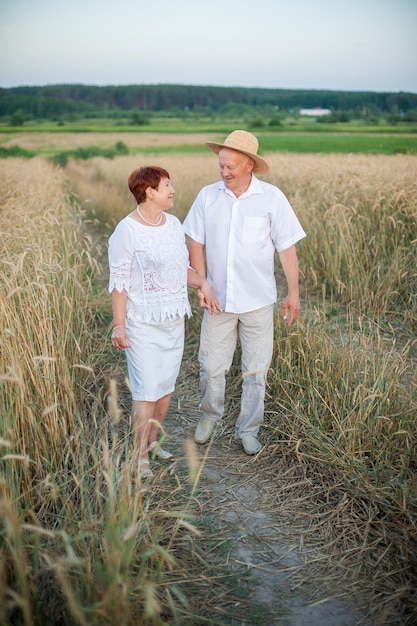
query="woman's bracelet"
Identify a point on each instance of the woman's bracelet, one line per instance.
(121, 326)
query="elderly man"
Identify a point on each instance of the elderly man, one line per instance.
(238, 223)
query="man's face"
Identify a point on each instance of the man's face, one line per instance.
(235, 169)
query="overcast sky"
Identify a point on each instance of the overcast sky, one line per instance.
(290, 44)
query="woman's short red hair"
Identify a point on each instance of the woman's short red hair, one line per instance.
(144, 177)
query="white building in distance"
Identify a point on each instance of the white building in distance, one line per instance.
(316, 112)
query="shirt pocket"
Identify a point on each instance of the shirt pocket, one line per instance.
(255, 229)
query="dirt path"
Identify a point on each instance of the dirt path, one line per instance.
(234, 492)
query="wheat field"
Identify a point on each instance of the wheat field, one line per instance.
(81, 539)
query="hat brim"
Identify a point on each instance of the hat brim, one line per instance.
(260, 167)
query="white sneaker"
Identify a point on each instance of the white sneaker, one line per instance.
(204, 429)
(251, 445)
(157, 452)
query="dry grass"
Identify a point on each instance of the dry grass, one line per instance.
(82, 540)
(80, 536)
(69, 141)
(335, 487)
(47, 142)
(101, 185)
(359, 212)
(43, 269)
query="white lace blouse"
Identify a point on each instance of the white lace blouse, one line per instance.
(151, 265)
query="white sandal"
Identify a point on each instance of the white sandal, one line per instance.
(144, 468)
(158, 453)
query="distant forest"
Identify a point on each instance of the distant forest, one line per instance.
(62, 101)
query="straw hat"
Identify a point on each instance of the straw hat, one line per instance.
(245, 142)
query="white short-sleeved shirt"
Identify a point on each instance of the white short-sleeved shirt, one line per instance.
(240, 237)
(151, 264)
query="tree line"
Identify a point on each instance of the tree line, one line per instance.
(57, 101)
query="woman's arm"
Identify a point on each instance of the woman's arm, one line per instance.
(197, 278)
(205, 294)
(118, 303)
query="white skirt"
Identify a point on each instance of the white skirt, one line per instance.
(154, 357)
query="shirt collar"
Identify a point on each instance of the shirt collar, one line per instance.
(254, 187)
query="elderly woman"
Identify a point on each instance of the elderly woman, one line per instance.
(149, 275)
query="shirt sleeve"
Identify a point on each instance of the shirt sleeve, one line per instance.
(286, 229)
(120, 257)
(193, 225)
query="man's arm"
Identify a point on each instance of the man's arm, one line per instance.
(291, 307)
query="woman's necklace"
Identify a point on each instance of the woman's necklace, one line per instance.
(146, 221)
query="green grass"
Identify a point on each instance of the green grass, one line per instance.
(301, 144)
(339, 143)
(295, 135)
(16, 151)
(171, 125)
(88, 152)
(195, 124)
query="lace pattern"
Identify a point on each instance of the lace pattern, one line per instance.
(151, 265)
(120, 275)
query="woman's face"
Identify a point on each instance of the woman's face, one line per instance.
(164, 195)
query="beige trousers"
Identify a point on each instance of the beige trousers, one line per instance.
(218, 340)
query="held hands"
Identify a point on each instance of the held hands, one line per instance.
(291, 309)
(119, 338)
(207, 299)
